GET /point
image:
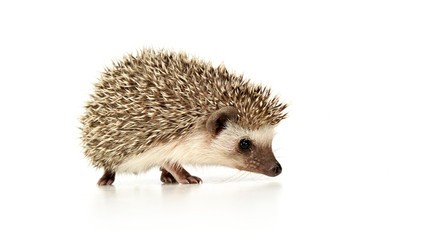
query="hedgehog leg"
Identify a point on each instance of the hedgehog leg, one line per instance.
(166, 176)
(180, 174)
(108, 178)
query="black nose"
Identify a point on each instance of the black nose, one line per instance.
(277, 169)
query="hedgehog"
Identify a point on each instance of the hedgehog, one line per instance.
(166, 109)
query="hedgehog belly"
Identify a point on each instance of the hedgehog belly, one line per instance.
(192, 150)
(150, 158)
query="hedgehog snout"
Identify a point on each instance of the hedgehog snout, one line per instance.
(263, 161)
(276, 170)
(272, 168)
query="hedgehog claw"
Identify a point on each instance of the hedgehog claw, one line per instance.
(194, 179)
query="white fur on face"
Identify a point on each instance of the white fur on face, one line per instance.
(229, 138)
(199, 149)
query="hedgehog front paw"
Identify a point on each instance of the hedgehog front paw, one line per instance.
(172, 173)
(190, 180)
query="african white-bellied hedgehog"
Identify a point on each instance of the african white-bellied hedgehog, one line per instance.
(165, 109)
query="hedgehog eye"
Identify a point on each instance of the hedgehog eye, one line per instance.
(244, 144)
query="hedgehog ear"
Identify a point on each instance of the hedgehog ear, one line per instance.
(216, 121)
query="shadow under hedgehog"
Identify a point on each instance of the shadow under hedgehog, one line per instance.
(164, 109)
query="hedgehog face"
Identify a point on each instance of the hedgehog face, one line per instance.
(249, 150)
(244, 149)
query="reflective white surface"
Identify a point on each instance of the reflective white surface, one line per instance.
(308, 205)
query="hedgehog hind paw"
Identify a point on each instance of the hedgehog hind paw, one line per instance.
(107, 179)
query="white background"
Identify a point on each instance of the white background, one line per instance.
(358, 149)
